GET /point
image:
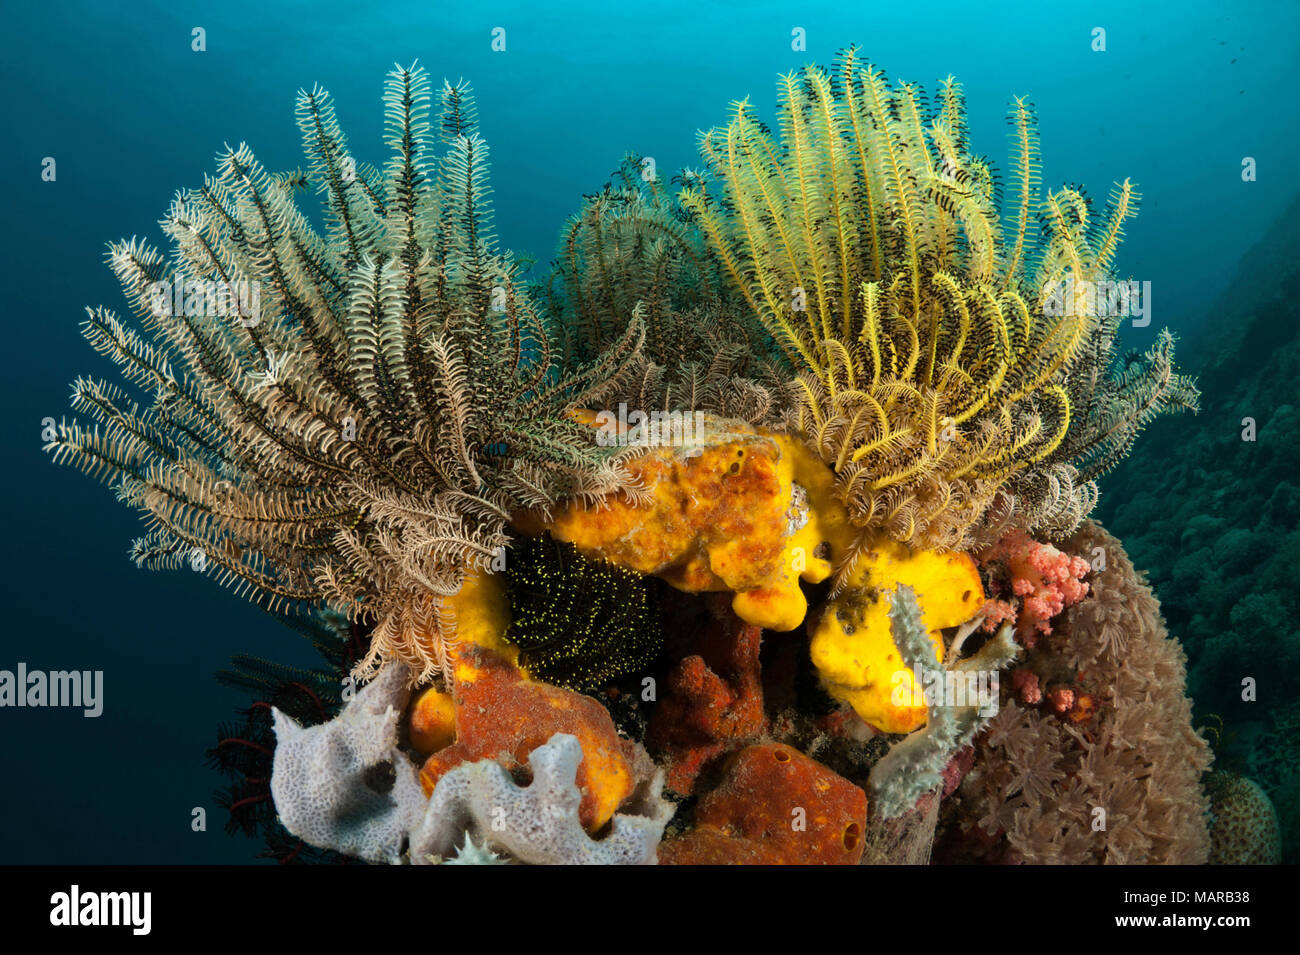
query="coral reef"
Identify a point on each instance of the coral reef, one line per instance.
(853, 399)
(1272, 758)
(1213, 517)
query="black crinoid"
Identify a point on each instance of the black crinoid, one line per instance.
(245, 750)
(581, 623)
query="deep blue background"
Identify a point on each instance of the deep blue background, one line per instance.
(131, 114)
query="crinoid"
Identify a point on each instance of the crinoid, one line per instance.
(632, 247)
(934, 374)
(358, 431)
(580, 623)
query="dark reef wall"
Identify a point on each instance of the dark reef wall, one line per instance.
(1214, 518)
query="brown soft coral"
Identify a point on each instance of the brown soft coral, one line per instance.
(1041, 777)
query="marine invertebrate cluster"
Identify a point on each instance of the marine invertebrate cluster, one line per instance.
(855, 644)
(348, 786)
(717, 518)
(1123, 786)
(344, 785)
(877, 389)
(541, 824)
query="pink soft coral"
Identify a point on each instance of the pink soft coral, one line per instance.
(1045, 579)
(1025, 688)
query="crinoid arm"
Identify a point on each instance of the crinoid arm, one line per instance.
(346, 416)
(915, 304)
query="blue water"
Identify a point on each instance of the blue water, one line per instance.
(130, 113)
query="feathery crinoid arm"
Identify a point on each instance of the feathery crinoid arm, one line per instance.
(936, 377)
(631, 256)
(628, 245)
(346, 416)
(1118, 398)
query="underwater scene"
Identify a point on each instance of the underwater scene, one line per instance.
(681, 434)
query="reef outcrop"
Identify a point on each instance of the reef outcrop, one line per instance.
(849, 496)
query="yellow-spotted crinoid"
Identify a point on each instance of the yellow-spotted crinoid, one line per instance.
(935, 376)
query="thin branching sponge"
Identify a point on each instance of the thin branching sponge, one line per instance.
(914, 766)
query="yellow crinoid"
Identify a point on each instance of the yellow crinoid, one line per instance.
(932, 362)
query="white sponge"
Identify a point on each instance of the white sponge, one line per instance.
(345, 785)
